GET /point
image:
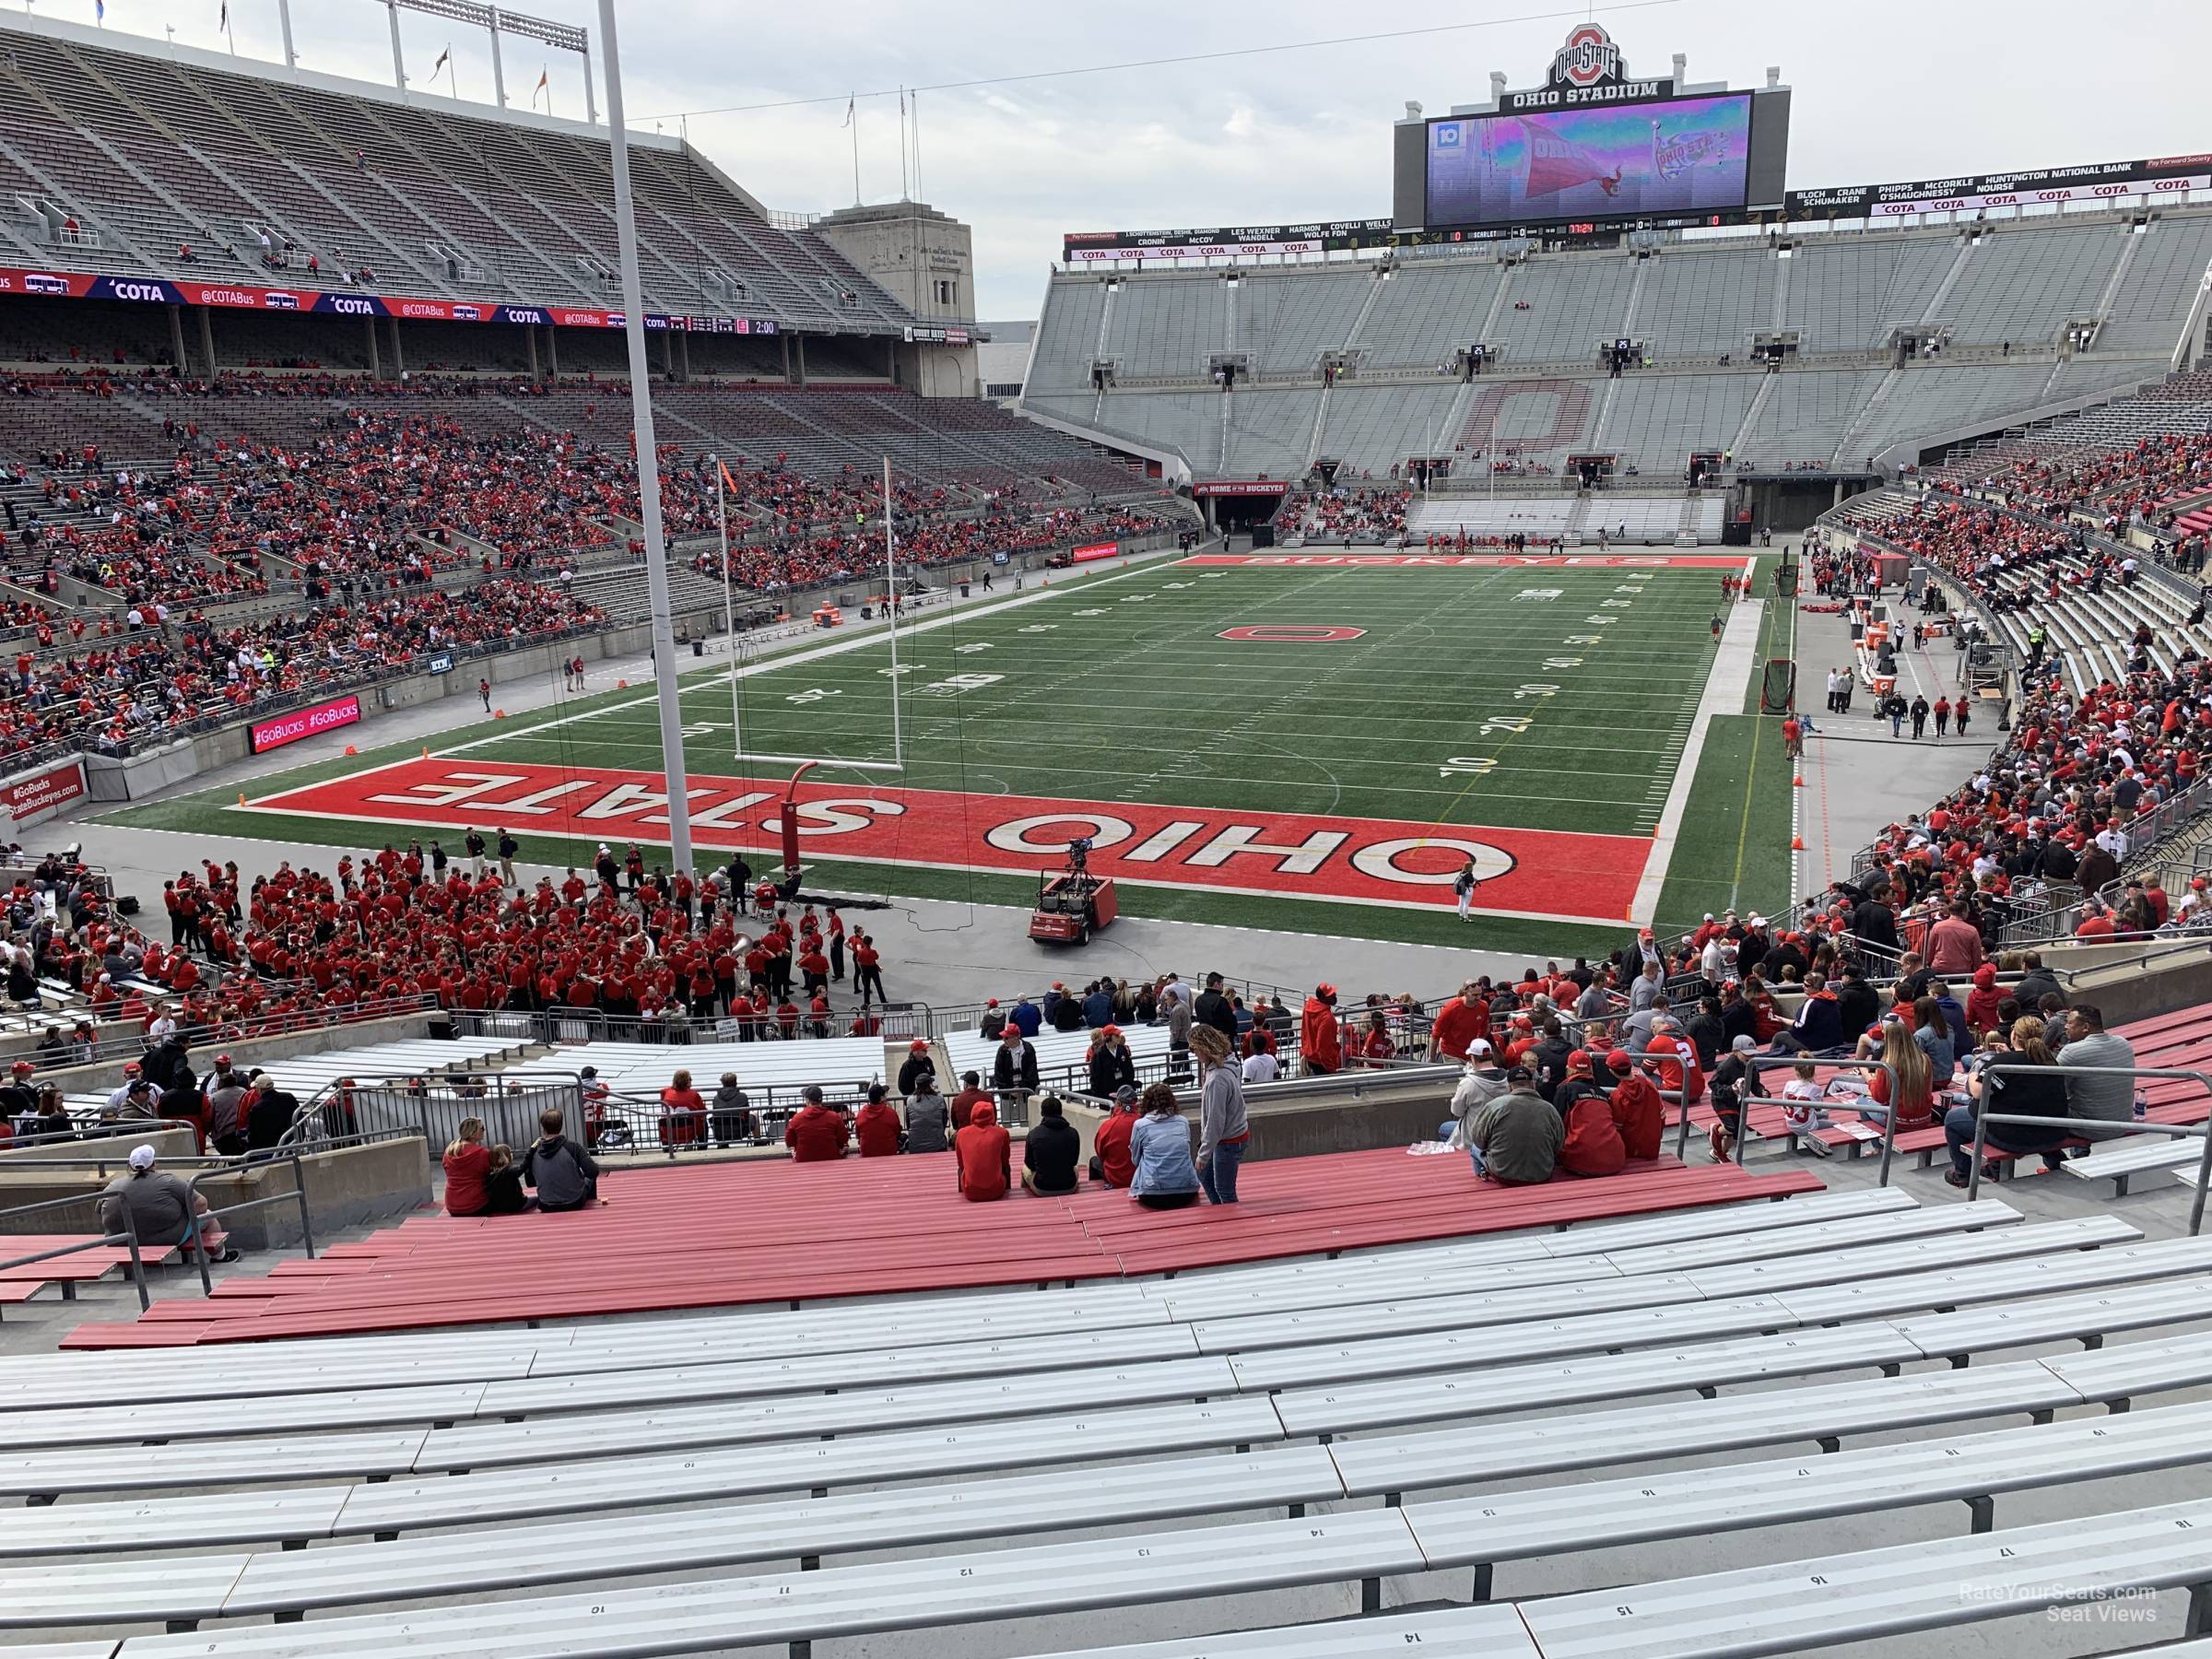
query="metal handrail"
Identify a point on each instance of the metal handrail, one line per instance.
(128, 1238)
(2202, 1080)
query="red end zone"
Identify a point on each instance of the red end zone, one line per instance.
(1349, 861)
(1470, 561)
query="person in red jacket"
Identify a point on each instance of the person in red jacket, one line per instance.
(1676, 1058)
(877, 1127)
(816, 1133)
(984, 1155)
(1638, 1110)
(1110, 1161)
(1593, 1144)
(1320, 1051)
(1982, 1002)
(683, 1112)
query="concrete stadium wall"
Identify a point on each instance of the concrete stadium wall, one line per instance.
(347, 1187)
(112, 778)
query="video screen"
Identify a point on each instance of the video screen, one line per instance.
(1683, 156)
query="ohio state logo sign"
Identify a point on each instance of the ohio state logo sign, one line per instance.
(1291, 633)
(1588, 58)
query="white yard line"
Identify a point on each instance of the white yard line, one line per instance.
(859, 641)
(1733, 666)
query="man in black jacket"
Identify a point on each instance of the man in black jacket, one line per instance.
(1214, 1009)
(1050, 1152)
(1014, 1066)
(1857, 1006)
(1874, 921)
(2036, 983)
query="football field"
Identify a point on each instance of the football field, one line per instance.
(1317, 740)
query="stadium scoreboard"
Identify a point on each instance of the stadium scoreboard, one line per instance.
(1592, 148)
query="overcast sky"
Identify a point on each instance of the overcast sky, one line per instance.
(1883, 89)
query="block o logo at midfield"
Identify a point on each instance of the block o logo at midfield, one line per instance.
(1291, 633)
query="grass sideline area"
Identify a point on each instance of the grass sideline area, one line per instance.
(1537, 708)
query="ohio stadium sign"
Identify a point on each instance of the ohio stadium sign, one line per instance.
(1273, 854)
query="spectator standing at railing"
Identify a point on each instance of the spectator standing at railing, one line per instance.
(1112, 1064)
(1214, 1009)
(1014, 1066)
(1224, 1132)
(1320, 1046)
(1463, 1020)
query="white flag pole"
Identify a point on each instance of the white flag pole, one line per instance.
(890, 574)
(729, 609)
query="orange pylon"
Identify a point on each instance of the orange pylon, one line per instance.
(1797, 843)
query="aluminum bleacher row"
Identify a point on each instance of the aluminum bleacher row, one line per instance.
(868, 1226)
(149, 152)
(336, 1477)
(2002, 296)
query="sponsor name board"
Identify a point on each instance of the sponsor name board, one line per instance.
(44, 792)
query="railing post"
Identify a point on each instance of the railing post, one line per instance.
(1973, 1176)
(2203, 1169)
(307, 1227)
(130, 1231)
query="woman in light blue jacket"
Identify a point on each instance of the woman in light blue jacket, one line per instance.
(1160, 1148)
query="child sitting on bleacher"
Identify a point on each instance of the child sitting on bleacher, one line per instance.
(1802, 1111)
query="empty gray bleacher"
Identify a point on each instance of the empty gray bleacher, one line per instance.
(1287, 322)
(1699, 304)
(1167, 325)
(2155, 294)
(1424, 308)
(2017, 283)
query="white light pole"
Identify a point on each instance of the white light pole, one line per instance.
(729, 605)
(649, 462)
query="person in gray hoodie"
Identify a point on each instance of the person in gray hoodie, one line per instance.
(562, 1171)
(1224, 1132)
(1478, 1086)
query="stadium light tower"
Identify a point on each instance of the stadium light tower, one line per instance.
(493, 19)
(648, 463)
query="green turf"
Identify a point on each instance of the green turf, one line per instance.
(1517, 698)
(1127, 693)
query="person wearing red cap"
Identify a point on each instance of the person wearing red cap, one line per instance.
(1320, 1050)
(983, 1156)
(1112, 1066)
(1983, 1000)
(993, 1020)
(1637, 1107)
(1593, 1144)
(916, 1066)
